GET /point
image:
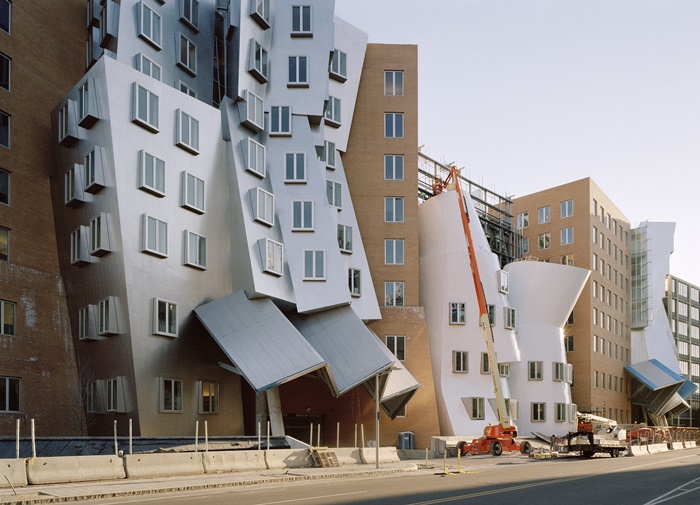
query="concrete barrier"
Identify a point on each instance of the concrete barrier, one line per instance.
(348, 455)
(288, 458)
(691, 444)
(233, 461)
(677, 446)
(15, 470)
(386, 455)
(638, 450)
(163, 464)
(51, 470)
(657, 448)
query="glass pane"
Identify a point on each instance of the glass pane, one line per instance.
(152, 234)
(296, 218)
(183, 50)
(301, 168)
(185, 129)
(389, 252)
(293, 69)
(296, 19)
(319, 265)
(172, 317)
(190, 190)
(308, 264)
(160, 175)
(289, 164)
(308, 215)
(202, 258)
(399, 209)
(399, 125)
(4, 243)
(200, 194)
(302, 69)
(389, 125)
(275, 124)
(167, 394)
(162, 317)
(8, 323)
(162, 237)
(398, 167)
(148, 171)
(388, 209)
(307, 18)
(142, 104)
(153, 110)
(399, 252)
(398, 83)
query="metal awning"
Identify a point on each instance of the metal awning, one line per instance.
(264, 347)
(662, 389)
(399, 387)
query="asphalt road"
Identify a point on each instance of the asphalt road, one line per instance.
(671, 478)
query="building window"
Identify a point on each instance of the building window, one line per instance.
(274, 253)
(150, 26)
(485, 363)
(5, 62)
(334, 193)
(393, 83)
(86, 113)
(105, 324)
(208, 397)
(543, 241)
(7, 315)
(78, 246)
(509, 315)
(298, 71)
(192, 197)
(560, 412)
(253, 111)
(148, 67)
(257, 61)
(190, 13)
(525, 245)
(457, 313)
(195, 250)
(314, 265)
(99, 236)
(164, 318)
(393, 167)
(4, 244)
(393, 251)
(264, 206)
(155, 236)
(504, 369)
(333, 111)
(145, 108)
(345, 238)
(302, 216)
(569, 343)
(170, 395)
(301, 20)
(534, 370)
(260, 11)
(280, 120)
(255, 157)
(354, 281)
(94, 177)
(5, 9)
(523, 220)
(492, 314)
(4, 129)
(111, 387)
(567, 236)
(393, 294)
(187, 132)
(543, 215)
(338, 66)
(460, 362)
(84, 323)
(567, 259)
(538, 412)
(397, 346)
(566, 209)
(187, 55)
(186, 89)
(295, 167)
(477, 409)
(393, 125)
(152, 174)
(9, 394)
(503, 282)
(5, 187)
(558, 372)
(393, 209)
(329, 153)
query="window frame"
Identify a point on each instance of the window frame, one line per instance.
(191, 18)
(303, 215)
(149, 35)
(538, 412)
(151, 120)
(534, 371)
(257, 163)
(4, 244)
(334, 194)
(391, 88)
(345, 238)
(260, 12)
(258, 61)
(164, 324)
(142, 60)
(544, 241)
(522, 220)
(566, 209)
(390, 246)
(9, 394)
(337, 67)
(105, 317)
(279, 115)
(176, 396)
(478, 409)
(187, 54)
(157, 173)
(9, 17)
(299, 28)
(295, 167)
(311, 271)
(4, 305)
(156, 229)
(543, 215)
(457, 313)
(391, 168)
(332, 113)
(269, 262)
(264, 208)
(460, 362)
(187, 128)
(355, 282)
(509, 318)
(485, 364)
(391, 209)
(558, 371)
(5, 133)
(193, 199)
(397, 300)
(398, 350)
(394, 125)
(329, 154)
(566, 235)
(295, 69)
(5, 182)
(199, 258)
(214, 395)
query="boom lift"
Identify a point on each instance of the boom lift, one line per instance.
(500, 437)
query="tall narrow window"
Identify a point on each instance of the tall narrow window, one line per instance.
(509, 319)
(393, 209)
(150, 27)
(314, 265)
(477, 410)
(298, 71)
(280, 120)
(393, 251)
(152, 176)
(103, 317)
(295, 167)
(393, 83)
(9, 394)
(112, 394)
(5, 15)
(354, 281)
(457, 313)
(4, 244)
(190, 13)
(397, 346)
(187, 55)
(195, 250)
(523, 220)
(393, 294)
(99, 235)
(170, 395)
(253, 111)
(164, 318)
(84, 323)
(260, 11)
(192, 193)
(334, 192)
(543, 241)
(543, 215)
(274, 257)
(145, 108)
(538, 411)
(5, 62)
(567, 236)
(257, 61)
(566, 209)
(302, 216)
(345, 238)
(155, 236)
(255, 157)
(485, 363)
(4, 129)
(329, 153)
(264, 206)
(393, 167)
(534, 370)
(301, 20)
(460, 362)
(4, 187)
(338, 66)
(560, 412)
(7, 317)
(187, 132)
(569, 343)
(87, 110)
(208, 397)
(333, 111)
(393, 125)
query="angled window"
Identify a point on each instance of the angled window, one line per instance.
(150, 28)
(280, 120)
(274, 256)
(568, 259)
(393, 294)
(334, 192)
(67, 125)
(187, 132)
(186, 89)
(492, 314)
(354, 282)
(534, 370)
(9, 393)
(4, 187)
(543, 241)
(525, 245)
(522, 220)
(558, 371)
(393, 83)
(543, 215)
(302, 216)
(457, 313)
(397, 346)
(393, 125)
(208, 397)
(393, 251)
(263, 206)
(477, 411)
(164, 318)
(537, 411)
(112, 388)
(189, 13)
(255, 157)
(393, 167)
(79, 246)
(314, 265)
(298, 72)
(195, 250)
(503, 283)
(345, 238)
(4, 244)
(5, 15)
(106, 317)
(301, 21)
(295, 167)
(485, 364)
(94, 171)
(333, 112)
(560, 412)
(566, 209)
(192, 197)
(170, 395)
(99, 235)
(4, 129)
(338, 66)
(569, 343)
(567, 236)
(145, 108)
(86, 328)
(504, 369)
(87, 106)
(187, 55)
(260, 12)
(251, 109)
(257, 61)
(5, 65)
(147, 66)
(7, 316)
(329, 154)
(509, 318)
(460, 362)
(151, 174)
(393, 209)
(155, 236)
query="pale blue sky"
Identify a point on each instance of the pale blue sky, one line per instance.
(530, 94)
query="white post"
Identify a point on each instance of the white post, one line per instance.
(259, 435)
(362, 433)
(268, 436)
(355, 436)
(33, 440)
(206, 437)
(376, 420)
(131, 435)
(17, 442)
(337, 435)
(196, 435)
(318, 434)
(311, 435)
(116, 447)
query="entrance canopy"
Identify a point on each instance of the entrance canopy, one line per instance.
(661, 389)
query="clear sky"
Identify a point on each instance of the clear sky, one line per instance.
(530, 94)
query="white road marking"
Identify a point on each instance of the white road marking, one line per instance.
(309, 498)
(675, 493)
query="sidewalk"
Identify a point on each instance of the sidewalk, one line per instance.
(57, 493)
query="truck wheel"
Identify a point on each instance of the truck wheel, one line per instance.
(615, 453)
(525, 448)
(463, 448)
(587, 454)
(496, 449)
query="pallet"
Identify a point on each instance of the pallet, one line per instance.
(324, 458)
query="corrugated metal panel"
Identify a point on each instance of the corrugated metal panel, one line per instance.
(259, 340)
(654, 375)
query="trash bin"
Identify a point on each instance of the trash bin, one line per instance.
(406, 440)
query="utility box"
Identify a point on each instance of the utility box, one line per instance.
(406, 440)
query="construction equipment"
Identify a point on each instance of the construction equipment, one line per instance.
(594, 434)
(501, 436)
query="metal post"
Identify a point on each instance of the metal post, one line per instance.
(311, 435)
(337, 435)
(206, 437)
(33, 440)
(362, 433)
(318, 434)
(268, 436)
(376, 420)
(355, 435)
(196, 435)
(17, 440)
(131, 433)
(116, 447)
(259, 436)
